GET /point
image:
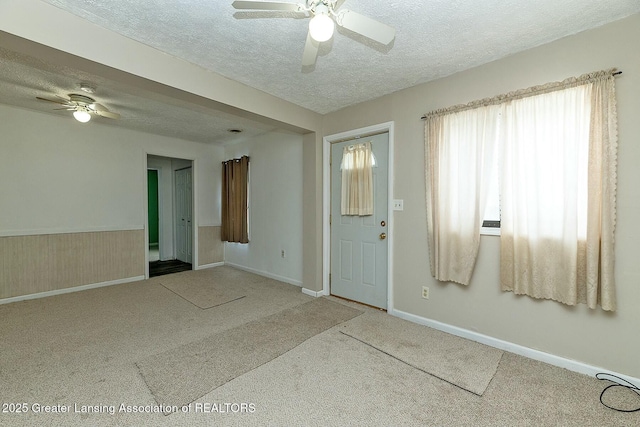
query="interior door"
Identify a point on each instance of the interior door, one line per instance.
(358, 243)
(184, 215)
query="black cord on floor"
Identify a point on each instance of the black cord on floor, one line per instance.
(621, 383)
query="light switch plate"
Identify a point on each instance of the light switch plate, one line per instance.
(398, 205)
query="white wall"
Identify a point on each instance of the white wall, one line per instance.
(595, 337)
(275, 169)
(58, 175)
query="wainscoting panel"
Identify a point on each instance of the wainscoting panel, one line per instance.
(210, 247)
(48, 262)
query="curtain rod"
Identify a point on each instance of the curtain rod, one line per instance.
(616, 73)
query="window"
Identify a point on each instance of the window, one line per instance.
(551, 152)
(357, 179)
(491, 217)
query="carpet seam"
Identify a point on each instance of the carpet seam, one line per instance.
(148, 388)
(223, 303)
(196, 305)
(415, 367)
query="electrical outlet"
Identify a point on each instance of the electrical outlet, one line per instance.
(282, 254)
(425, 292)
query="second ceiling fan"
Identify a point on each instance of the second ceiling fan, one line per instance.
(325, 17)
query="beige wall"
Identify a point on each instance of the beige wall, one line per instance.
(312, 211)
(590, 336)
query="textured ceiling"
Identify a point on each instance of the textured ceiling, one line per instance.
(434, 38)
(24, 77)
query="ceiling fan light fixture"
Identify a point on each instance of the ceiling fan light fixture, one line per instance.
(321, 26)
(82, 116)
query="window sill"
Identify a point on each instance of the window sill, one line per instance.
(489, 231)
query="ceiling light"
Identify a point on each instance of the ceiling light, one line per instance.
(321, 25)
(82, 116)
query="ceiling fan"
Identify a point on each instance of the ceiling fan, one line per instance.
(82, 106)
(325, 16)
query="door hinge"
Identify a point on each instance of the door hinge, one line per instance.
(329, 278)
(330, 217)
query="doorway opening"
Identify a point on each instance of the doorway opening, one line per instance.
(169, 215)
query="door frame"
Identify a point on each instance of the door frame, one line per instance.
(194, 204)
(326, 201)
(160, 201)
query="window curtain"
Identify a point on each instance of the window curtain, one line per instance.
(235, 175)
(556, 145)
(357, 180)
(459, 155)
(558, 193)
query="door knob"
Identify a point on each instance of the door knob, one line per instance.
(383, 236)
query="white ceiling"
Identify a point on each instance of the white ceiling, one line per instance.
(434, 38)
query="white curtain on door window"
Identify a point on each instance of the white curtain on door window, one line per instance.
(357, 180)
(459, 155)
(558, 194)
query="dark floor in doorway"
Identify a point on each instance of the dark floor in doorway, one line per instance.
(160, 268)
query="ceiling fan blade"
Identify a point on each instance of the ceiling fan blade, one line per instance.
(107, 114)
(338, 4)
(60, 101)
(266, 5)
(310, 53)
(370, 28)
(66, 109)
(98, 107)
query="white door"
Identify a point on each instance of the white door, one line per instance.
(358, 243)
(184, 215)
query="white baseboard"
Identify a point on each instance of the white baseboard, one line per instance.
(266, 274)
(312, 293)
(69, 290)
(551, 359)
(215, 264)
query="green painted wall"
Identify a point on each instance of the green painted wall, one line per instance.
(152, 182)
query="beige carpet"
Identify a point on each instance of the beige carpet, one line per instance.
(82, 348)
(463, 363)
(204, 290)
(183, 374)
